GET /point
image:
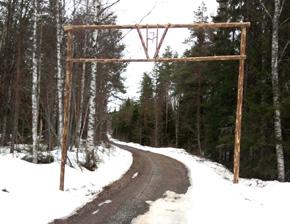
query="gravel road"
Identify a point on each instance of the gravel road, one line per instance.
(149, 177)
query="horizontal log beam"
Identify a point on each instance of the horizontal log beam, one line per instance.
(188, 59)
(154, 26)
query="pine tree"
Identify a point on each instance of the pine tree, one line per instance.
(146, 111)
(163, 73)
(200, 48)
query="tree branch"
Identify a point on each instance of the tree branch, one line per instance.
(281, 7)
(138, 22)
(284, 50)
(108, 6)
(285, 21)
(148, 13)
(266, 10)
(117, 97)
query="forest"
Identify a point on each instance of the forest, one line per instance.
(186, 105)
(75, 148)
(32, 47)
(193, 105)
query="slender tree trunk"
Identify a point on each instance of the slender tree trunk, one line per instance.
(49, 126)
(198, 115)
(59, 71)
(16, 91)
(38, 83)
(6, 28)
(101, 104)
(5, 38)
(166, 119)
(34, 84)
(4, 129)
(176, 121)
(276, 92)
(90, 143)
(82, 86)
(156, 123)
(39, 132)
(80, 115)
(140, 135)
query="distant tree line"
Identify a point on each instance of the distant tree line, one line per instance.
(193, 105)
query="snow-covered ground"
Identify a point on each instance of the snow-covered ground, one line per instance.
(29, 192)
(213, 198)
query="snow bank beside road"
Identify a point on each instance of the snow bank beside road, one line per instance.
(29, 192)
(213, 198)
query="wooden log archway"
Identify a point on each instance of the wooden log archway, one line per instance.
(70, 60)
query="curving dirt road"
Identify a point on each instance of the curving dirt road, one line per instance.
(149, 177)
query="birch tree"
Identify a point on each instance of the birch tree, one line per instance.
(59, 71)
(90, 143)
(275, 18)
(275, 89)
(34, 83)
(82, 85)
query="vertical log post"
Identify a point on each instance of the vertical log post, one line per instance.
(67, 96)
(239, 106)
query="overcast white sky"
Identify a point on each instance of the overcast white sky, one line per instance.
(163, 12)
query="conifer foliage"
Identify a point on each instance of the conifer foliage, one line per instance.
(194, 103)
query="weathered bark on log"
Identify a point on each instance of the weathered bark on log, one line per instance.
(161, 26)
